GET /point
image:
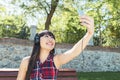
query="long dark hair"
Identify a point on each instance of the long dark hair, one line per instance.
(36, 51)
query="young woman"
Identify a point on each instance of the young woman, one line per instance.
(43, 64)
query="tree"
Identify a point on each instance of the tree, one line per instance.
(112, 31)
(54, 4)
(11, 26)
(61, 15)
(106, 16)
(24, 32)
(66, 25)
(42, 7)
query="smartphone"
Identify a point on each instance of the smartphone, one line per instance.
(80, 12)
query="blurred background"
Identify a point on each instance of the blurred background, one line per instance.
(20, 20)
(61, 17)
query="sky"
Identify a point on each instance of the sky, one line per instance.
(16, 10)
(10, 8)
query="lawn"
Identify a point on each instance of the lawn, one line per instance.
(98, 75)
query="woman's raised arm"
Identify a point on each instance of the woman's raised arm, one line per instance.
(67, 56)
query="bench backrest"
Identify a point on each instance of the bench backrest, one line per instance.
(63, 74)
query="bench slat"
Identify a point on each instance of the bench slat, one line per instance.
(67, 73)
(63, 74)
(8, 78)
(8, 73)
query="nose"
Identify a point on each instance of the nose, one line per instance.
(50, 38)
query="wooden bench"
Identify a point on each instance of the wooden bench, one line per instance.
(63, 74)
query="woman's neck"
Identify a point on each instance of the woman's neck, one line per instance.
(43, 55)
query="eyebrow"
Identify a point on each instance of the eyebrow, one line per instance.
(48, 35)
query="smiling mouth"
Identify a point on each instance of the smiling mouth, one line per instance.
(51, 44)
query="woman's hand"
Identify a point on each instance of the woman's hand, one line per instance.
(88, 22)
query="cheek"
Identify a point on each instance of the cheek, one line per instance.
(42, 42)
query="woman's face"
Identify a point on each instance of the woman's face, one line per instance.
(47, 42)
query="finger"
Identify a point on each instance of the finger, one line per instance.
(87, 18)
(85, 21)
(87, 25)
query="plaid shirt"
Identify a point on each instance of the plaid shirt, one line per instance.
(44, 71)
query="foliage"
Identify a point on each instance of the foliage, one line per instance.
(35, 7)
(74, 31)
(11, 26)
(67, 25)
(112, 31)
(107, 21)
(65, 21)
(24, 32)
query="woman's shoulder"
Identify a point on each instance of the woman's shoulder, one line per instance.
(23, 68)
(26, 58)
(25, 61)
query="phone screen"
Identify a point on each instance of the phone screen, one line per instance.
(80, 12)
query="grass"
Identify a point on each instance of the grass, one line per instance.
(98, 75)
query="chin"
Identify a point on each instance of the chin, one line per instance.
(50, 48)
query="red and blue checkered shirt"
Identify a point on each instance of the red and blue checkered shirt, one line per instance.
(44, 71)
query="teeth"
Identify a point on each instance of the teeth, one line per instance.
(49, 43)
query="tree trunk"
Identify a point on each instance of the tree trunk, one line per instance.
(54, 4)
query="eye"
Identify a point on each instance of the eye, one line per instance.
(46, 36)
(52, 37)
